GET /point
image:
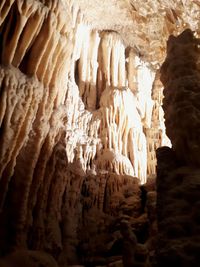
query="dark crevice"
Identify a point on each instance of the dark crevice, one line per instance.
(13, 14)
(76, 64)
(143, 198)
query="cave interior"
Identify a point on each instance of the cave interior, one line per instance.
(99, 133)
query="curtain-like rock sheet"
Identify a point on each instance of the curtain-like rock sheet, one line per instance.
(117, 86)
(35, 59)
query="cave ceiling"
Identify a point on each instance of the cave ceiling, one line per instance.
(144, 25)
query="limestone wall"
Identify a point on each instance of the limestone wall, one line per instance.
(76, 139)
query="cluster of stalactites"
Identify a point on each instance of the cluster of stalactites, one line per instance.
(34, 55)
(101, 61)
(36, 38)
(116, 87)
(110, 114)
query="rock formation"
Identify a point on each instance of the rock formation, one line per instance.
(180, 75)
(80, 120)
(178, 170)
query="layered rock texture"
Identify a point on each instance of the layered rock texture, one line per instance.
(80, 120)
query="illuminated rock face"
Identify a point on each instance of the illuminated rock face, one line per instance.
(155, 131)
(119, 92)
(76, 142)
(143, 25)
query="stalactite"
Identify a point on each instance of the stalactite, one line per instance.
(88, 70)
(115, 61)
(83, 67)
(20, 43)
(110, 52)
(132, 71)
(155, 133)
(121, 118)
(32, 114)
(72, 120)
(113, 74)
(121, 71)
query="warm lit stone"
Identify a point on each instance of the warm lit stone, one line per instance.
(80, 120)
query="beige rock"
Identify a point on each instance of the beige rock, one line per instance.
(81, 117)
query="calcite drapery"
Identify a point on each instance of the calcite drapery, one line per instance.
(71, 117)
(25, 26)
(35, 39)
(155, 134)
(143, 25)
(123, 96)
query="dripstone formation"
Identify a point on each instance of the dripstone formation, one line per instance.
(80, 120)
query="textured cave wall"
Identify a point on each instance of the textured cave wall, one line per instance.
(35, 56)
(178, 172)
(180, 75)
(126, 96)
(76, 138)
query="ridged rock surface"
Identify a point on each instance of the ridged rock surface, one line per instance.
(80, 119)
(73, 155)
